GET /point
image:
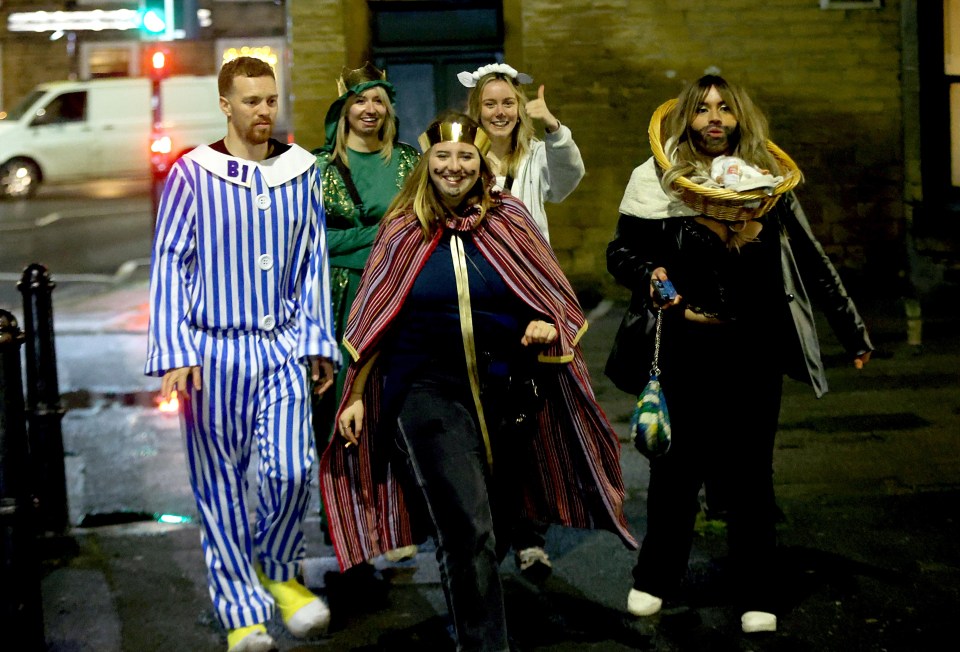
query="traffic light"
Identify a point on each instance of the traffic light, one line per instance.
(154, 20)
(168, 20)
(158, 64)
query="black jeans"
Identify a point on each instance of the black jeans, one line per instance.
(439, 432)
(724, 407)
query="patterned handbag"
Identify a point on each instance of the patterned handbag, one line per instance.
(650, 421)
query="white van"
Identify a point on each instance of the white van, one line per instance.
(101, 129)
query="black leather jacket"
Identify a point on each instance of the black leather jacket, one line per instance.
(641, 245)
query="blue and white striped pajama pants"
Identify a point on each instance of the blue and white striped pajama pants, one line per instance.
(254, 394)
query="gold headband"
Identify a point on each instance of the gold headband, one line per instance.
(454, 132)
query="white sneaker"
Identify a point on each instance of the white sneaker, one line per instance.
(534, 564)
(530, 556)
(256, 641)
(641, 603)
(310, 620)
(758, 621)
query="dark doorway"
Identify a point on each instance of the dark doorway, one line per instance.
(423, 45)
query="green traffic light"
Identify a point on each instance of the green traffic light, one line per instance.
(153, 21)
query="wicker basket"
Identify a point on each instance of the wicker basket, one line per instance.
(720, 203)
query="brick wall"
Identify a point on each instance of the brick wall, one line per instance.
(50, 64)
(319, 42)
(24, 64)
(828, 81)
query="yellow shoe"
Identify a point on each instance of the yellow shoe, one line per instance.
(304, 613)
(250, 639)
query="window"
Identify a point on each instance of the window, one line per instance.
(109, 59)
(427, 86)
(65, 108)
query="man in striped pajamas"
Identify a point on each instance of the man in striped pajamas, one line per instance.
(239, 325)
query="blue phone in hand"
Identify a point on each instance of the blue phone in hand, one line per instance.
(665, 291)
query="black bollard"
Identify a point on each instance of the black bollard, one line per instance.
(21, 605)
(43, 401)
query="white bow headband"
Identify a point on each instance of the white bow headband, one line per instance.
(470, 79)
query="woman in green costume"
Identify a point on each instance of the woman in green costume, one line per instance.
(362, 166)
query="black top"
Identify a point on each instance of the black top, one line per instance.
(426, 338)
(274, 148)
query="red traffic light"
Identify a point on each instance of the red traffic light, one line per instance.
(158, 64)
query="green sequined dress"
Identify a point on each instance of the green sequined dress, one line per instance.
(351, 230)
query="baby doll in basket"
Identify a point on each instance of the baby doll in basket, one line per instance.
(736, 174)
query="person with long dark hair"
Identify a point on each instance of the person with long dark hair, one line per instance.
(742, 318)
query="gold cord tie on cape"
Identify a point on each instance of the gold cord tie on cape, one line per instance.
(459, 257)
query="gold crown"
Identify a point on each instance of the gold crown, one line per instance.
(454, 132)
(350, 78)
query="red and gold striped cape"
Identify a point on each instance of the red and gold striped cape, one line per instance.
(575, 478)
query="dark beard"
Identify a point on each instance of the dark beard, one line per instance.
(712, 146)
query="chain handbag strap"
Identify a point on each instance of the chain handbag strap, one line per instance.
(654, 369)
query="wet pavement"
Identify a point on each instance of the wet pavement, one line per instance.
(868, 479)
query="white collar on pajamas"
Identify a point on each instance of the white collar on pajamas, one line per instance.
(275, 171)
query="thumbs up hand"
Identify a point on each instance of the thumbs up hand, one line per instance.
(537, 109)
